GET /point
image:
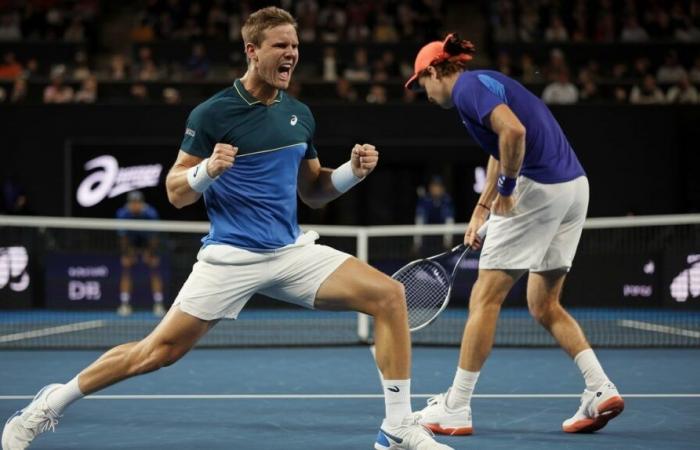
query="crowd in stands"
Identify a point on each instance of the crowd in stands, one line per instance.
(372, 71)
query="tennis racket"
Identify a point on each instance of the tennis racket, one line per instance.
(428, 284)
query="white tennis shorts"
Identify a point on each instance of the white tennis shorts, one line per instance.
(224, 277)
(543, 230)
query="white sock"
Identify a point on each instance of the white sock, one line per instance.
(397, 399)
(591, 369)
(59, 399)
(125, 297)
(462, 388)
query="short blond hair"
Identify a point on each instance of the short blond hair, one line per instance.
(263, 19)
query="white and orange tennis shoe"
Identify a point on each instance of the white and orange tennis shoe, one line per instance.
(440, 419)
(597, 409)
(26, 424)
(410, 435)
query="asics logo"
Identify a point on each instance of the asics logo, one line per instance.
(598, 394)
(393, 389)
(293, 121)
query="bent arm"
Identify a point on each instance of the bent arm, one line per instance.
(314, 184)
(511, 139)
(180, 193)
(488, 195)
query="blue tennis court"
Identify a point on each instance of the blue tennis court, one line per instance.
(329, 398)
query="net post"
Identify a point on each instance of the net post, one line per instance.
(363, 320)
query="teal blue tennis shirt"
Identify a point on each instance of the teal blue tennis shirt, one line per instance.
(253, 205)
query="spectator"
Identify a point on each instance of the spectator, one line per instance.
(217, 21)
(118, 67)
(332, 20)
(88, 91)
(142, 31)
(198, 64)
(529, 24)
(358, 13)
(619, 71)
(385, 31)
(682, 92)
(589, 92)
(556, 32)
(345, 91)
(171, 96)
(529, 71)
(557, 63)
(31, 69)
(75, 31)
(642, 67)
(139, 92)
(605, 28)
(434, 207)
(687, 31)
(19, 90)
(671, 71)
(330, 64)
(10, 67)
(3, 94)
(379, 73)
(505, 29)
(377, 95)
(57, 91)
(359, 70)
(695, 71)
(620, 94)
(648, 93)
(146, 69)
(503, 64)
(10, 27)
(562, 91)
(82, 69)
(632, 31)
(392, 67)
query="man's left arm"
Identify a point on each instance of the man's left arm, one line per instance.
(318, 185)
(511, 147)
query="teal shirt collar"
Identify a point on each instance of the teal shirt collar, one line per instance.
(248, 97)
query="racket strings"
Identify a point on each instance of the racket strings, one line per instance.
(427, 286)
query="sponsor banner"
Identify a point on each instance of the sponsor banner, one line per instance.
(91, 281)
(16, 280)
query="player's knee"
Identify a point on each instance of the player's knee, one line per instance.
(156, 357)
(391, 297)
(543, 312)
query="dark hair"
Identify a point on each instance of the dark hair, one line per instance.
(457, 52)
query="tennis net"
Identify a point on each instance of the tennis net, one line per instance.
(635, 283)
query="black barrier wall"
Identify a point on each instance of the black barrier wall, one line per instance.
(639, 159)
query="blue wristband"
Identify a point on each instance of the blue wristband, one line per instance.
(506, 185)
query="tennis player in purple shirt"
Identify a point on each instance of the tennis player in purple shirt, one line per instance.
(536, 194)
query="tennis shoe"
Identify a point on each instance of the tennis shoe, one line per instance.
(25, 425)
(410, 435)
(597, 408)
(443, 420)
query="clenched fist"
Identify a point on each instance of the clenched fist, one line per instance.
(221, 159)
(364, 159)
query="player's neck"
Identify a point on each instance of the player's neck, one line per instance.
(256, 87)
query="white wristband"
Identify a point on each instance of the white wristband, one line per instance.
(343, 179)
(198, 178)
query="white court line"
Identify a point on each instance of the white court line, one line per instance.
(646, 326)
(328, 396)
(71, 327)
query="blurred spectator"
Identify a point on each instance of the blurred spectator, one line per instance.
(57, 91)
(14, 198)
(10, 67)
(31, 69)
(605, 28)
(620, 94)
(75, 31)
(10, 27)
(358, 13)
(377, 95)
(682, 92)
(619, 71)
(19, 90)
(359, 70)
(505, 30)
(695, 71)
(433, 207)
(198, 64)
(345, 91)
(589, 91)
(331, 21)
(642, 66)
(671, 71)
(391, 65)
(139, 92)
(217, 21)
(529, 71)
(3, 94)
(81, 71)
(632, 31)
(529, 24)
(503, 64)
(557, 63)
(118, 67)
(146, 69)
(171, 96)
(556, 32)
(88, 91)
(142, 31)
(330, 64)
(385, 31)
(647, 93)
(687, 31)
(562, 91)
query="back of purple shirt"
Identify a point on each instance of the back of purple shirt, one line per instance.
(549, 157)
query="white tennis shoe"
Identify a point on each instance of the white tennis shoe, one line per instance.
(410, 435)
(442, 420)
(25, 425)
(597, 408)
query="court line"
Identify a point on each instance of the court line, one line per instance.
(647, 326)
(328, 396)
(69, 328)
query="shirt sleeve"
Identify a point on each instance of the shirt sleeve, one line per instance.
(199, 139)
(478, 96)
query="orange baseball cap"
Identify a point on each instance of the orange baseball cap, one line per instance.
(430, 54)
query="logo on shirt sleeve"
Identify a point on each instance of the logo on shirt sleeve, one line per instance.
(293, 121)
(190, 132)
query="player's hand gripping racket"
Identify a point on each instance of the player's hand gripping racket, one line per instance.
(428, 284)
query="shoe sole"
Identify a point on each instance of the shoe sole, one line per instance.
(459, 431)
(607, 411)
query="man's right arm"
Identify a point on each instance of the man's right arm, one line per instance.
(179, 182)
